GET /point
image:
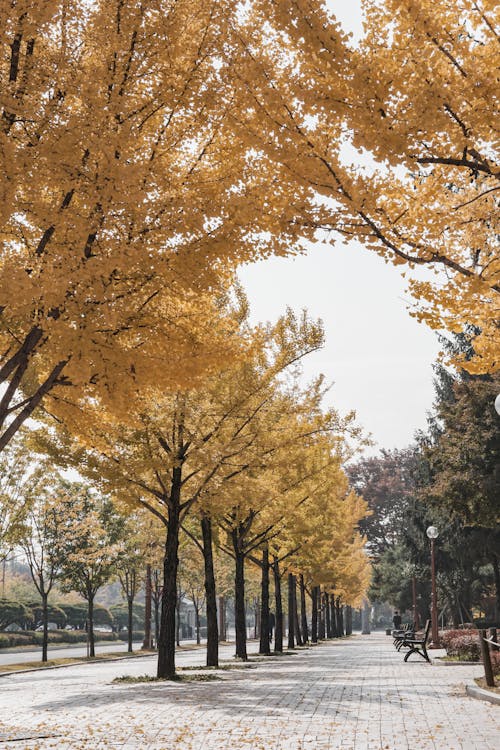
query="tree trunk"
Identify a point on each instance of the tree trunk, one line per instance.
(303, 610)
(333, 619)
(45, 623)
(264, 647)
(278, 607)
(496, 574)
(166, 639)
(157, 621)
(340, 618)
(147, 610)
(210, 593)
(130, 625)
(314, 620)
(156, 592)
(321, 616)
(291, 618)
(298, 634)
(348, 620)
(239, 598)
(256, 618)
(90, 603)
(328, 621)
(178, 619)
(197, 624)
(365, 618)
(222, 619)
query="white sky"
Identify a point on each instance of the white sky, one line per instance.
(378, 357)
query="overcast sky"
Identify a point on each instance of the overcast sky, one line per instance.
(379, 358)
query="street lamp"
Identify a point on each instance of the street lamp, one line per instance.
(497, 404)
(433, 534)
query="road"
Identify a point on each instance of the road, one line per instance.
(23, 656)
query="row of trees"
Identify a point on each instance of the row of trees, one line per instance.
(146, 152)
(448, 478)
(138, 172)
(73, 537)
(249, 457)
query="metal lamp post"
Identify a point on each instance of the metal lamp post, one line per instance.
(433, 534)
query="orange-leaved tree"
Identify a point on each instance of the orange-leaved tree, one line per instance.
(124, 205)
(396, 139)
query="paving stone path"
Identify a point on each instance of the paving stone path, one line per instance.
(354, 694)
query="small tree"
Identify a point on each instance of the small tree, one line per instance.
(88, 545)
(192, 579)
(129, 570)
(14, 502)
(39, 541)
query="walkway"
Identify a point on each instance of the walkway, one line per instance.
(355, 694)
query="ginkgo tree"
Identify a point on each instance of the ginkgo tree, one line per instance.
(88, 545)
(39, 538)
(329, 549)
(396, 139)
(124, 205)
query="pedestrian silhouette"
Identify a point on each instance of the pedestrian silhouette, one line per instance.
(396, 620)
(272, 624)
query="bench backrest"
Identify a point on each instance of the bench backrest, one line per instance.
(427, 630)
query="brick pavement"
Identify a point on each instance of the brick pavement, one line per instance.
(354, 694)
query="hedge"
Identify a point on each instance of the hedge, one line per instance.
(32, 638)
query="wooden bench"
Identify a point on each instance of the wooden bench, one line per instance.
(399, 636)
(417, 645)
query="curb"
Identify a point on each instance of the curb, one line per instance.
(442, 663)
(483, 695)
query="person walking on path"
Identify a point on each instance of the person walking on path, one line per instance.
(272, 625)
(396, 620)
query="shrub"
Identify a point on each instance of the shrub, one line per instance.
(462, 644)
(32, 638)
(138, 635)
(4, 640)
(55, 615)
(15, 639)
(76, 614)
(12, 612)
(495, 662)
